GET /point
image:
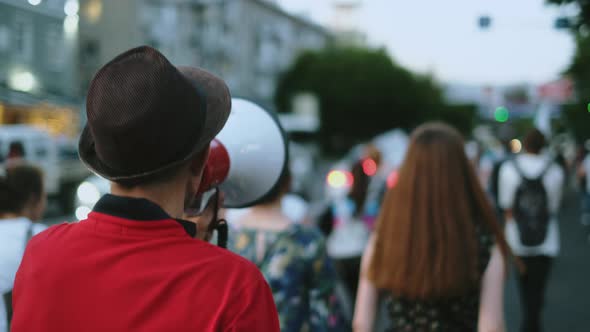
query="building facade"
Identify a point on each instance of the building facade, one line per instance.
(247, 42)
(38, 66)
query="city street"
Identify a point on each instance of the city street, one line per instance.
(568, 294)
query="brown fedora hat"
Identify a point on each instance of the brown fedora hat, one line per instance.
(146, 115)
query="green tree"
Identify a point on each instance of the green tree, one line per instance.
(577, 116)
(583, 18)
(361, 92)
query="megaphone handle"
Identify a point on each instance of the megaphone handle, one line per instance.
(222, 232)
(221, 224)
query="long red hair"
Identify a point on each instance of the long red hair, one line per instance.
(426, 244)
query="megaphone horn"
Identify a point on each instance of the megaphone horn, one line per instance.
(248, 157)
(217, 167)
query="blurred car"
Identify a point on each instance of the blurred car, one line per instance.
(392, 146)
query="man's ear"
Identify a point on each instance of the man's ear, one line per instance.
(196, 167)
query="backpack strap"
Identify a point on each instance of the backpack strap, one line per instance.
(539, 177)
(518, 168)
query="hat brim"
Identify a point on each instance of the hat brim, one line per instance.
(218, 101)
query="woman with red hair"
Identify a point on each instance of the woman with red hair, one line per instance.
(438, 252)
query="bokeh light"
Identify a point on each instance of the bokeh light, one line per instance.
(369, 167)
(82, 212)
(502, 114)
(340, 179)
(515, 146)
(392, 179)
(71, 7)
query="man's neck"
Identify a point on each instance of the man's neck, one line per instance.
(169, 198)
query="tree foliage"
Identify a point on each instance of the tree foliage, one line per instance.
(361, 92)
(577, 118)
(583, 18)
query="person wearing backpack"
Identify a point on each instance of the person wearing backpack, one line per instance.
(22, 200)
(530, 191)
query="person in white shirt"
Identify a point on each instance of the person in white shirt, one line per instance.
(22, 200)
(537, 259)
(584, 173)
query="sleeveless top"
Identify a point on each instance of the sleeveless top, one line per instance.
(300, 275)
(459, 314)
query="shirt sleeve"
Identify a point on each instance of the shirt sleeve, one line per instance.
(507, 185)
(325, 311)
(253, 309)
(554, 185)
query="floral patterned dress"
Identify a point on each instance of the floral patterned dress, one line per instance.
(301, 276)
(458, 314)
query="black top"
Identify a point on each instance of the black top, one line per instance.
(458, 314)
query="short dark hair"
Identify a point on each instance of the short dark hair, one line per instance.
(282, 187)
(160, 177)
(21, 183)
(534, 141)
(16, 150)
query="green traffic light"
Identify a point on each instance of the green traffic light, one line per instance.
(588, 107)
(501, 114)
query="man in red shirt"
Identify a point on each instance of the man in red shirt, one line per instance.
(134, 265)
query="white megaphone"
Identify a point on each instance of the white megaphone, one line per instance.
(248, 157)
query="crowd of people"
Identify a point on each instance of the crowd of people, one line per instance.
(437, 247)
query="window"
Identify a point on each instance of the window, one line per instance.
(54, 44)
(4, 38)
(23, 39)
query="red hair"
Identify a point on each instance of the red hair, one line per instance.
(426, 243)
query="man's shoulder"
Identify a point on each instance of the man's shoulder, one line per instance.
(50, 234)
(223, 260)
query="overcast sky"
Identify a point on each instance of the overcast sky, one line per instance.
(442, 37)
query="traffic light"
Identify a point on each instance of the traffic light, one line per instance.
(484, 22)
(501, 114)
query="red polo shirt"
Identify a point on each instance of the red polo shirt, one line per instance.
(130, 267)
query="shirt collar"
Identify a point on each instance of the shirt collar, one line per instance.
(138, 209)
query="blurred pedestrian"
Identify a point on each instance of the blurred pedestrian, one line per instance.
(584, 179)
(350, 233)
(293, 205)
(530, 192)
(437, 252)
(294, 260)
(16, 153)
(134, 264)
(504, 154)
(22, 202)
